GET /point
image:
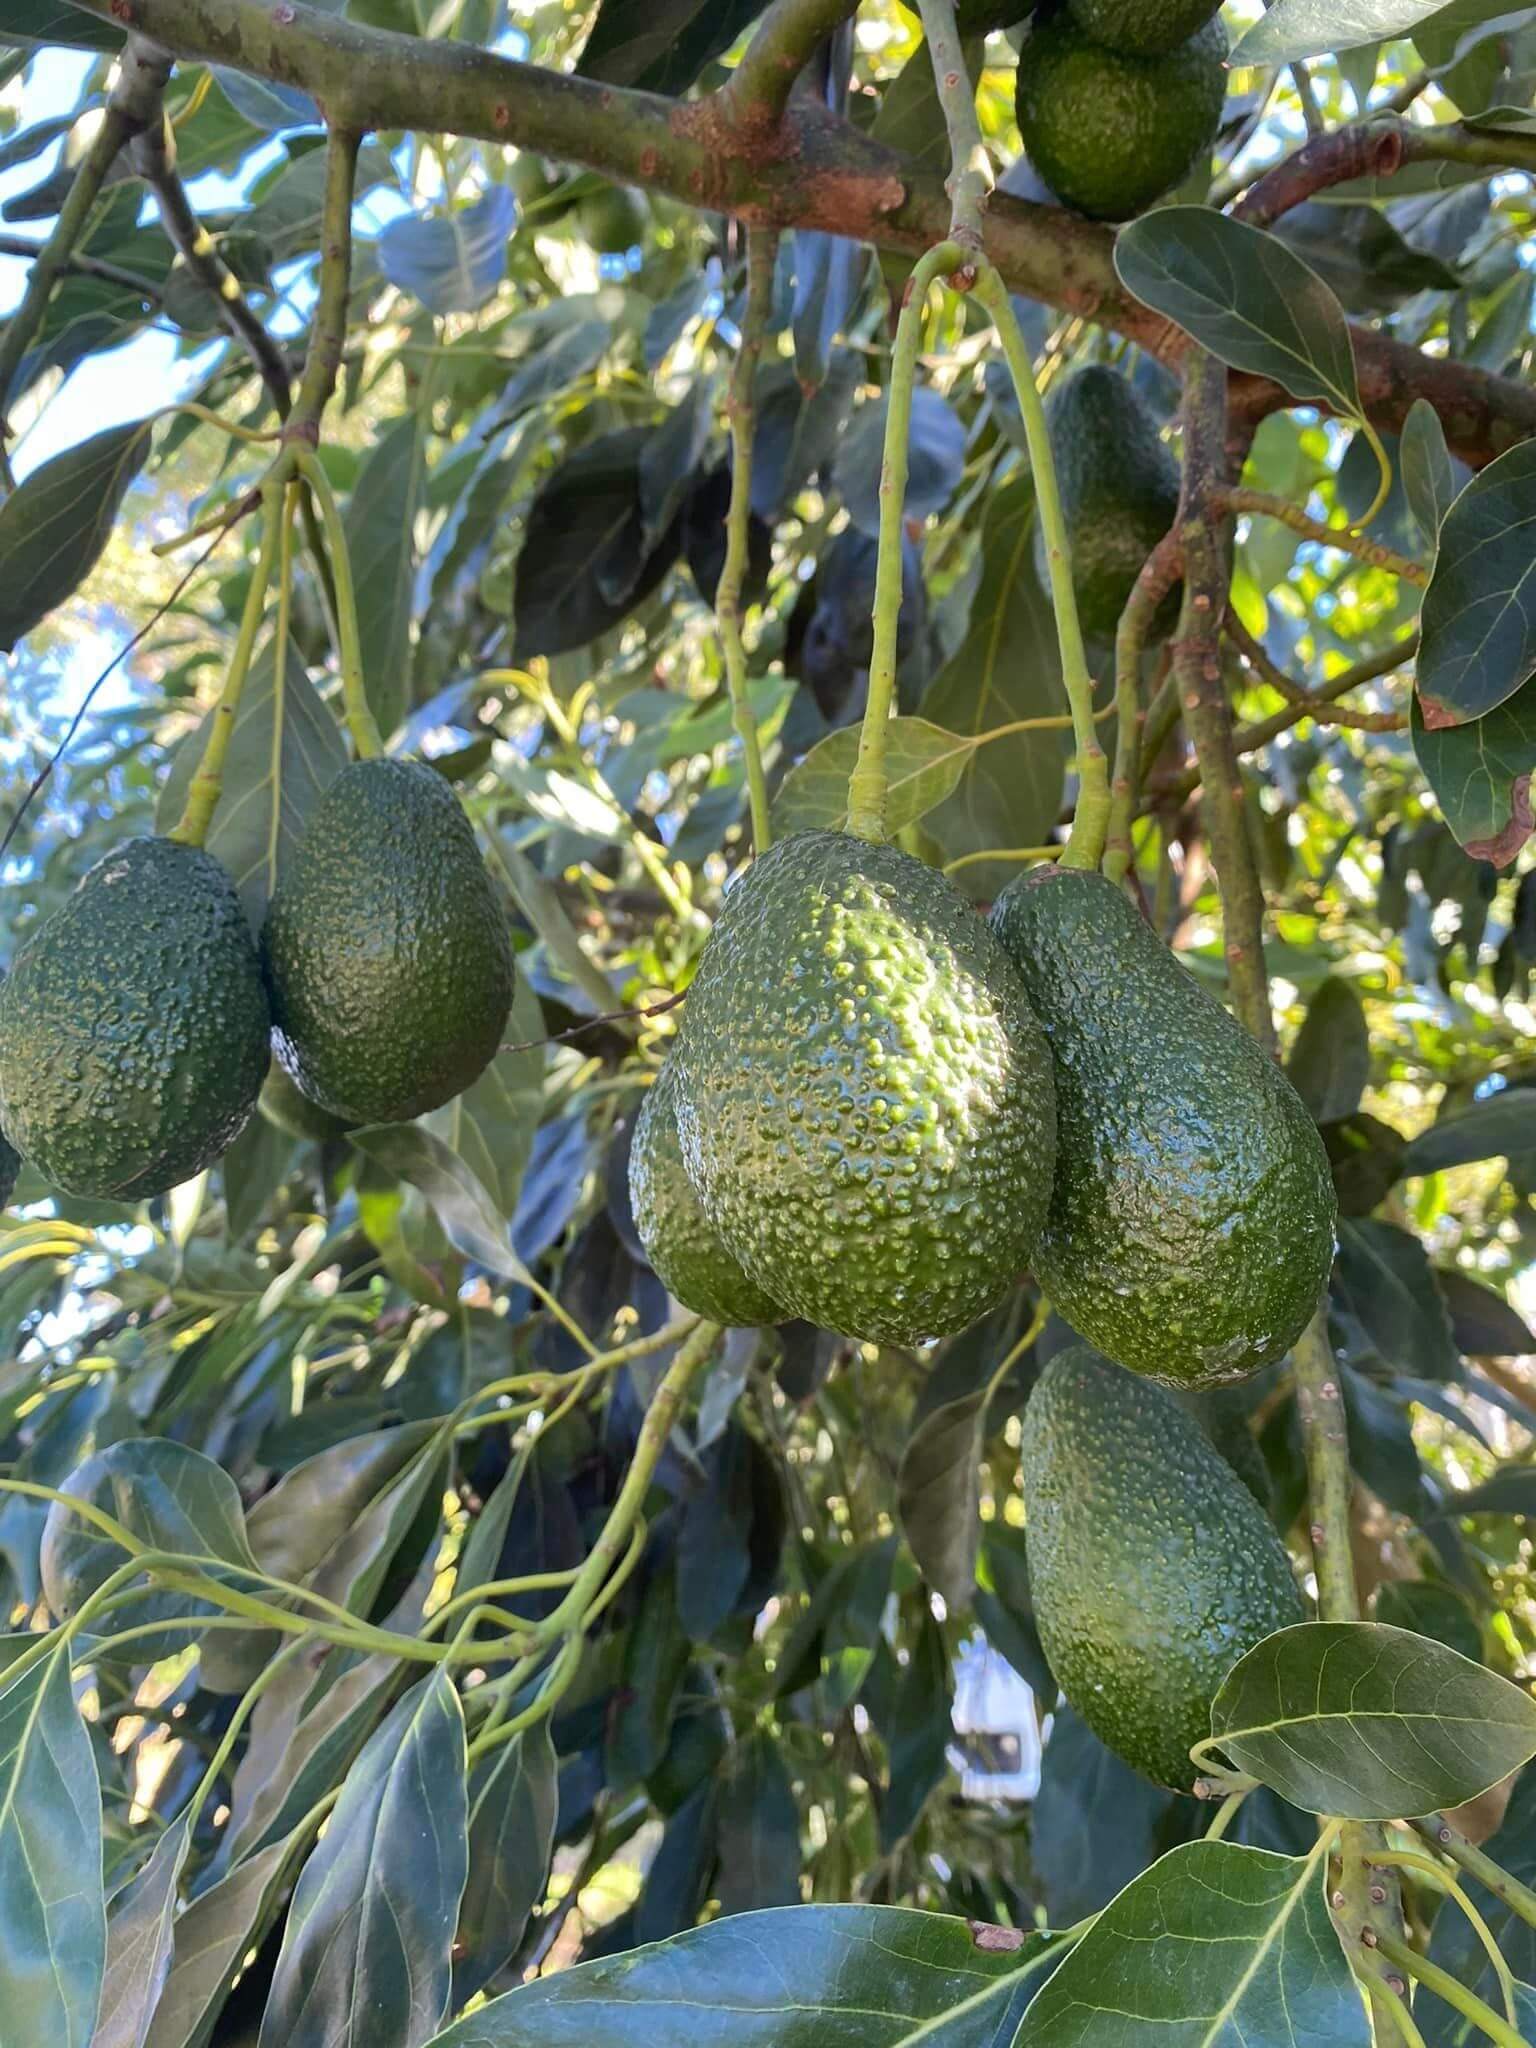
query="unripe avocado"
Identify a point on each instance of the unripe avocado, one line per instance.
(1191, 1227)
(864, 1097)
(385, 948)
(683, 1249)
(133, 1026)
(1111, 133)
(1119, 489)
(286, 1106)
(1152, 1567)
(1142, 28)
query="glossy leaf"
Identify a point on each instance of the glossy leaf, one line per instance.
(213, 1937)
(1455, 1944)
(55, 525)
(662, 45)
(53, 1925)
(491, 1125)
(1429, 476)
(868, 1976)
(923, 765)
(1481, 774)
(1384, 1278)
(759, 1830)
(1501, 1123)
(939, 1495)
(452, 261)
(1479, 624)
(458, 1200)
(380, 526)
(1243, 295)
(512, 1805)
(1216, 1946)
(1330, 1062)
(141, 1933)
(1370, 1723)
(55, 21)
(1096, 1823)
(1308, 28)
(365, 1955)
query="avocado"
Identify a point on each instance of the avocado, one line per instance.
(684, 1251)
(386, 949)
(10, 1168)
(864, 1098)
(1191, 1227)
(1142, 28)
(133, 1026)
(1119, 489)
(286, 1106)
(1110, 133)
(1152, 1567)
(1222, 1412)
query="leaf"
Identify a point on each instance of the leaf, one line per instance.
(1095, 1824)
(54, 21)
(1482, 1321)
(911, 118)
(381, 539)
(1363, 1722)
(1364, 258)
(491, 1125)
(918, 1734)
(54, 526)
(1511, 1491)
(265, 104)
(829, 281)
(670, 459)
(284, 752)
(459, 1202)
(1493, 1128)
(759, 1830)
(512, 1802)
(939, 1493)
(1481, 774)
(1455, 1944)
(213, 1937)
(798, 1977)
(1245, 296)
(53, 1922)
(1330, 1062)
(141, 1933)
(1005, 669)
(1429, 1610)
(935, 455)
(1383, 1277)
(662, 45)
(797, 433)
(1424, 460)
(455, 261)
(1294, 29)
(365, 1955)
(923, 765)
(1479, 619)
(1216, 1946)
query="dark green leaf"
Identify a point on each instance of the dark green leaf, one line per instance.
(1511, 1491)
(939, 1495)
(797, 433)
(662, 45)
(1216, 1946)
(1383, 1277)
(53, 1923)
(453, 261)
(55, 525)
(1498, 1125)
(1429, 1610)
(266, 104)
(670, 459)
(923, 765)
(381, 538)
(1479, 625)
(919, 1733)
(511, 1835)
(1308, 28)
(459, 1202)
(829, 282)
(1006, 1610)
(54, 21)
(801, 1977)
(1370, 1723)
(1456, 1945)
(365, 1955)
(492, 1124)
(911, 118)
(213, 1937)
(1428, 475)
(1482, 1322)
(1096, 1823)
(759, 1830)
(936, 456)
(1330, 1062)
(1358, 252)
(253, 1169)
(1481, 772)
(141, 1932)
(1245, 296)
(834, 1640)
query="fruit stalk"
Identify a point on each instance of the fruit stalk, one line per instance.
(970, 178)
(762, 250)
(361, 723)
(328, 331)
(1445, 1986)
(1519, 1898)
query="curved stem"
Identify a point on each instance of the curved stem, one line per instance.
(1396, 2010)
(1341, 537)
(361, 723)
(762, 252)
(1226, 1813)
(866, 785)
(1159, 573)
(1445, 1986)
(1310, 701)
(1405, 1859)
(968, 860)
(1519, 1898)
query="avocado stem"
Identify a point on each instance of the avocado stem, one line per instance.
(361, 723)
(762, 251)
(970, 178)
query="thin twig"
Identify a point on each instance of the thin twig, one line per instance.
(1357, 544)
(1298, 695)
(591, 1023)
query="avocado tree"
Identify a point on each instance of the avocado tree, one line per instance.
(850, 694)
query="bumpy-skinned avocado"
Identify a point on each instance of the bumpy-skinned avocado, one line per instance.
(1191, 1226)
(133, 1026)
(1119, 491)
(1142, 28)
(864, 1098)
(284, 1104)
(385, 948)
(1152, 1567)
(1110, 133)
(679, 1241)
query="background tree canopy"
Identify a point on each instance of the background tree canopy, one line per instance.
(500, 1617)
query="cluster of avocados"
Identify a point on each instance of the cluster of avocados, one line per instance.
(138, 1023)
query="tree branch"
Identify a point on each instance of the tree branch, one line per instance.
(1309, 703)
(85, 266)
(787, 38)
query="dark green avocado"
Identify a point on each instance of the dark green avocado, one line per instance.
(864, 1098)
(386, 949)
(1142, 28)
(1119, 489)
(285, 1105)
(1191, 1228)
(1152, 1567)
(1110, 133)
(684, 1251)
(133, 1026)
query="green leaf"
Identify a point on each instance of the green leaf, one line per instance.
(54, 526)
(1245, 296)
(759, 1830)
(512, 1804)
(1216, 1946)
(381, 539)
(308, 1726)
(911, 118)
(834, 1640)
(491, 1125)
(141, 1933)
(1481, 772)
(1479, 620)
(1429, 477)
(939, 1495)
(1384, 1278)
(1330, 1062)
(918, 1734)
(1456, 1946)
(1005, 669)
(215, 1934)
(1370, 1723)
(662, 45)
(1511, 1491)
(1482, 1321)
(284, 752)
(453, 261)
(1493, 1128)
(458, 1200)
(1429, 1610)
(923, 765)
(800, 1977)
(365, 1955)
(53, 1922)
(1312, 28)
(54, 21)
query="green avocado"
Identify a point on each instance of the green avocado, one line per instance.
(1142, 28)
(386, 949)
(864, 1097)
(1152, 1567)
(133, 1026)
(1192, 1223)
(1119, 488)
(282, 1103)
(1111, 133)
(684, 1251)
